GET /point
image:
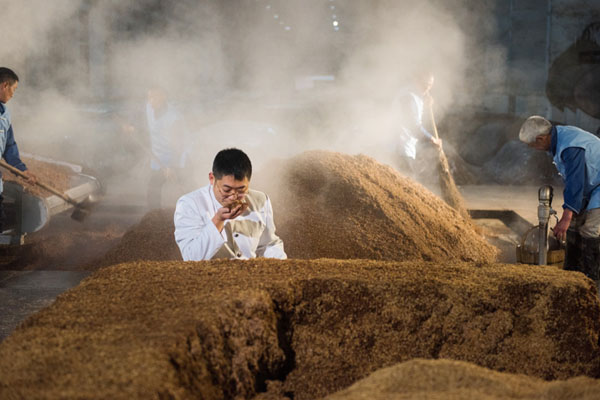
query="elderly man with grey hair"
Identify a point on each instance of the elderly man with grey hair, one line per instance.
(576, 155)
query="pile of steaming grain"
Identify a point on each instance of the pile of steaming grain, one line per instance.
(330, 205)
(347, 207)
(449, 380)
(298, 328)
(57, 176)
(65, 244)
(151, 239)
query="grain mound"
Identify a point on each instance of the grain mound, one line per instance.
(449, 380)
(337, 206)
(57, 176)
(298, 329)
(348, 207)
(151, 239)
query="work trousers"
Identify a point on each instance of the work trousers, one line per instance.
(587, 223)
(158, 179)
(2, 214)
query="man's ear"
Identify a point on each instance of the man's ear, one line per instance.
(211, 178)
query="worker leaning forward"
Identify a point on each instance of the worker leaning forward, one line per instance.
(226, 219)
(576, 155)
(408, 110)
(8, 146)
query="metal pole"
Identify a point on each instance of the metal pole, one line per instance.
(544, 211)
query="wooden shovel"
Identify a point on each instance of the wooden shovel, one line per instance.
(449, 191)
(82, 209)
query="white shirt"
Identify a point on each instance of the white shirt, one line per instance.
(408, 110)
(250, 235)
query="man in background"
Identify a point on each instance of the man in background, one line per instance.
(8, 146)
(576, 154)
(226, 219)
(169, 139)
(408, 109)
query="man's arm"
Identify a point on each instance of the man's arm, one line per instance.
(196, 235)
(270, 245)
(12, 156)
(574, 161)
(11, 152)
(417, 118)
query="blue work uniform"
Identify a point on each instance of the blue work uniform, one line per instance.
(164, 137)
(577, 157)
(8, 146)
(169, 142)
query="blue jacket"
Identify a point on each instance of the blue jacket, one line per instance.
(577, 158)
(168, 138)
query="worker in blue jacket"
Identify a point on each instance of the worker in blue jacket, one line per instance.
(576, 155)
(8, 146)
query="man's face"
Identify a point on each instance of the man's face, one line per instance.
(157, 99)
(541, 142)
(7, 91)
(228, 189)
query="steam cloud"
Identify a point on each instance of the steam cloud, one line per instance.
(234, 67)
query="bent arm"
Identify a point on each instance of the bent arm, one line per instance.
(270, 245)
(11, 152)
(574, 161)
(195, 234)
(416, 118)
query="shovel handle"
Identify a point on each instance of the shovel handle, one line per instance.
(40, 184)
(433, 124)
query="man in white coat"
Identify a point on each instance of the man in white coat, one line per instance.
(226, 219)
(409, 108)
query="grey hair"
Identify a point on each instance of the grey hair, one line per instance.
(533, 127)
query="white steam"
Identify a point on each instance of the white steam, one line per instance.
(234, 69)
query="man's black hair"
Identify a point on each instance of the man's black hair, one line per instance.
(8, 75)
(232, 162)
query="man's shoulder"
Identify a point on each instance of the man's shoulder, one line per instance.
(257, 198)
(199, 197)
(4, 112)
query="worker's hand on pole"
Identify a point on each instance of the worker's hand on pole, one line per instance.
(436, 141)
(560, 230)
(31, 178)
(127, 128)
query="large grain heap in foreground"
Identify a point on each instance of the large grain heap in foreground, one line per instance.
(306, 328)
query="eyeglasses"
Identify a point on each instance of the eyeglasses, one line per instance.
(229, 191)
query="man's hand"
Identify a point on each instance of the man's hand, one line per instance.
(436, 141)
(127, 128)
(31, 178)
(168, 173)
(560, 230)
(224, 213)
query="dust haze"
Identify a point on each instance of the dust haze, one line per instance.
(272, 77)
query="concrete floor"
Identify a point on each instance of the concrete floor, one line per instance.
(23, 293)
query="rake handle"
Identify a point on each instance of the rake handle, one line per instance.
(52, 190)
